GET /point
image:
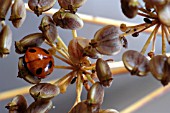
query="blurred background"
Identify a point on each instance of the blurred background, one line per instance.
(125, 90)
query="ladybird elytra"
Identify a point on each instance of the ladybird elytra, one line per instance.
(39, 61)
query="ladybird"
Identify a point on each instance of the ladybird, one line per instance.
(39, 61)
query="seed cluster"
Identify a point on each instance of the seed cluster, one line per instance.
(37, 63)
(155, 14)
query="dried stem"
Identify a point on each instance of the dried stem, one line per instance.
(79, 88)
(158, 92)
(62, 59)
(64, 67)
(149, 39)
(62, 43)
(74, 33)
(163, 42)
(166, 33)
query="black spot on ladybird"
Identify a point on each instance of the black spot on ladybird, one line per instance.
(39, 71)
(32, 50)
(46, 51)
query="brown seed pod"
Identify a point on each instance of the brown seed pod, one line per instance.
(163, 14)
(75, 50)
(159, 67)
(48, 29)
(107, 111)
(95, 95)
(68, 20)
(25, 74)
(39, 6)
(91, 52)
(156, 2)
(106, 40)
(5, 41)
(40, 107)
(18, 13)
(81, 107)
(44, 91)
(31, 40)
(88, 50)
(104, 73)
(136, 63)
(17, 105)
(129, 8)
(71, 5)
(5, 5)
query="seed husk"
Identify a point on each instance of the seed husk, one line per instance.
(5, 5)
(18, 13)
(31, 40)
(17, 105)
(68, 20)
(39, 6)
(5, 41)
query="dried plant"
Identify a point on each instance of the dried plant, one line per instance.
(37, 62)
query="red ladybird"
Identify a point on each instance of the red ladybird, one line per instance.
(39, 61)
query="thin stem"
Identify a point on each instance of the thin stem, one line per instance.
(62, 43)
(89, 68)
(148, 12)
(151, 96)
(138, 28)
(148, 41)
(154, 40)
(63, 67)
(166, 33)
(85, 82)
(64, 78)
(145, 15)
(79, 87)
(153, 23)
(62, 59)
(74, 33)
(90, 78)
(163, 42)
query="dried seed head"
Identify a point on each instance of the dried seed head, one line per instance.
(136, 63)
(5, 41)
(129, 8)
(81, 107)
(107, 111)
(18, 13)
(25, 74)
(39, 6)
(104, 73)
(75, 50)
(159, 68)
(106, 40)
(95, 96)
(68, 20)
(71, 5)
(44, 91)
(40, 107)
(31, 40)
(48, 29)
(5, 5)
(17, 105)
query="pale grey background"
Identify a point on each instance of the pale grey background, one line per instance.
(125, 89)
